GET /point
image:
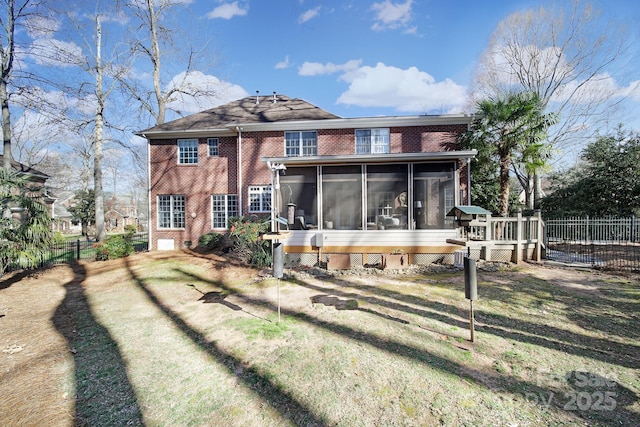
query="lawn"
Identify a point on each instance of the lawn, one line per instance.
(178, 338)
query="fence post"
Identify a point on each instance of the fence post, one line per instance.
(587, 230)
(539, 235)
(632, 235)
(519, 227)
(78, 250)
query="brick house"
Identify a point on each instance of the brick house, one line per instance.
(357, 186)
(119, 212)
(37, 180)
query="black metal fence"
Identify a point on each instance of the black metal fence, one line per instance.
(74, 250)
(610, 243)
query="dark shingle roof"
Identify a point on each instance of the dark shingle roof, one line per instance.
(245, 111)
(21, 168)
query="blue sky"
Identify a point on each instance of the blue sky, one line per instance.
(354, 58)
(362, 58)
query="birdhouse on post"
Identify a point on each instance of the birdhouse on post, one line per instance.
(464, 215)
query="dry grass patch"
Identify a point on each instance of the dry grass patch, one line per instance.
(187, 339)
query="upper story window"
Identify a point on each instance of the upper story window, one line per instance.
(259, 198)
(213, 144)
(372, 141)
(171, 208)
(187, 151)
(301, 143)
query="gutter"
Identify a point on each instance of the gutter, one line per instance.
(230, 129)
(373, 158)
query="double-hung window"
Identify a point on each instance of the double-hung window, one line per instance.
(171, 210)
(259, 198)
(187, 151)
(301, 143)
(214, 149)
(372, 141)
(223, 206)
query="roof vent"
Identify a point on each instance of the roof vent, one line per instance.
(257, 97)
(274, 97)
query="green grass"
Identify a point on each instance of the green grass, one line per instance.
(170, 342)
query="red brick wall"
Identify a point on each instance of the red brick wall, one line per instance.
(218, 175)
(212, 175)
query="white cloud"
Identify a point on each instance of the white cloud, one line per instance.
(409, 90)
(215, 92)
(33, 126)
(392, 15)
(308, 15)
(283, 64)
(599, 88)
(317, 68)
(633, 90)
(228, 11)
(41, 26)
(56, 53)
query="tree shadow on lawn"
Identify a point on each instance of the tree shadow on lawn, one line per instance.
(600, 349)
(500, 383)
(609, 308)
(350, 304)
(16, 277)
(104, 395)
(285, 404)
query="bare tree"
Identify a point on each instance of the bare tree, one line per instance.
(153, 41)
(87, 118)
(566, 55)
(16, 14)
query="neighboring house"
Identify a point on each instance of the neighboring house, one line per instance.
(63, 219)
(39, 180)
(119, 212)
(362, 186)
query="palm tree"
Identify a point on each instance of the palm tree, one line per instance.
(512, 128)
(25, 233)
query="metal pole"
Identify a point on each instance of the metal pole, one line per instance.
(471, 320)
(279, 300)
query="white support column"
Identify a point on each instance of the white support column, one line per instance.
(519, 228)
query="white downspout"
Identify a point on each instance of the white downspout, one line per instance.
(468, 181)
(239, 169)
(149, 201)
(274, 199)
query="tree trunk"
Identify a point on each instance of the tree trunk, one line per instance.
(6, 136)
(157, 86)
(505, 165)
(97, 157)
(6, 127)
(537, 191)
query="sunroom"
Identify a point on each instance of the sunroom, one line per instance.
(367, 205)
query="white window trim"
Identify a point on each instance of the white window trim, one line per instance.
(171, 211)
(372, 146)
(227, 215)
(300, 143)
(209, 141)
(261, 191)
(190, 140)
